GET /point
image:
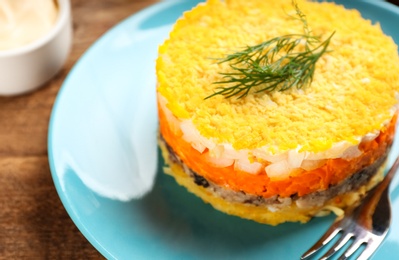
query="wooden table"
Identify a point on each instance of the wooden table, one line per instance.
(33, 222)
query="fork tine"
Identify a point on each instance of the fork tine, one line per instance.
(337, 246)
(325, 239)
(352, 249)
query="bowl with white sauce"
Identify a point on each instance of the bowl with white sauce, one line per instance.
(35, 40)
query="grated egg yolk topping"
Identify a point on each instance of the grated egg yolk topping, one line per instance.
(352, 93)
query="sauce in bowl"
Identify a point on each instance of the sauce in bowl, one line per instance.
(24, 21)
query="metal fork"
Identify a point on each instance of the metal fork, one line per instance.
(366, 224)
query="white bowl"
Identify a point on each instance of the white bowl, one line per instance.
(28, 67)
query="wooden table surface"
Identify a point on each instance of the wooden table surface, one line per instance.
(33, 222)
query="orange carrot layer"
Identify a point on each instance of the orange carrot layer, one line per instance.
(301, 183)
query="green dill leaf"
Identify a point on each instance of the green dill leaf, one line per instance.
(273, 65)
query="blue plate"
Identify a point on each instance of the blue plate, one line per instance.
(103, 157)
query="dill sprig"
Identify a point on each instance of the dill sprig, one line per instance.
(276, 64)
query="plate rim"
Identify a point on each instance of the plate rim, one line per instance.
(50, 133)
